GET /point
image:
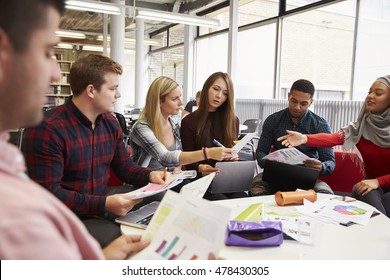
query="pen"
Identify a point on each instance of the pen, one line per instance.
(218, 144)
(222, 146)
(165, 174)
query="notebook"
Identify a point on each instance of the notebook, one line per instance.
(141, 217)
(288, 177)
(234, 176)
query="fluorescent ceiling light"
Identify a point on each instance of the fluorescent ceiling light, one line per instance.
(64, 46)
(93, 6)
(96, 48)
(132, 41)
(177, 18)
(70, 34)
(92, 48)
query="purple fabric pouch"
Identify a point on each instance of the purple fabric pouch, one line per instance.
(252, 234)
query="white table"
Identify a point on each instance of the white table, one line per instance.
(334, 241)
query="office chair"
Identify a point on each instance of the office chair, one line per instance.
(134, 115)
(248, 153)
(16, 137)
(253, 126)
(125, 130)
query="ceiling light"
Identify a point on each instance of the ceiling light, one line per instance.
(92, 48)
(93, 6)
(177, 18)
(64, 46)
(70, 34)
(132, 41)
(96, 48)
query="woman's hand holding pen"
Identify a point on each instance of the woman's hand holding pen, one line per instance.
(220, 153)
(227, 153)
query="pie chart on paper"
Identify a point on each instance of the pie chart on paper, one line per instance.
(349, 210)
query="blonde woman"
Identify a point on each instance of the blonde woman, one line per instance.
(155, 137)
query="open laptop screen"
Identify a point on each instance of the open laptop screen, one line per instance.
(234, 176)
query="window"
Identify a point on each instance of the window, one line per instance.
(317, 45)
(256, 10)
(293, 4)
(256, 62)
(211, 56)
(372, 46)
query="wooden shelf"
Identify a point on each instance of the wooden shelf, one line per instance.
(60, 91)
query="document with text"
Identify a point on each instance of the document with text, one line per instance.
(287, 155)
(173, 180)
(185, 228)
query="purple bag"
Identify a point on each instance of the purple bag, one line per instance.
(243, 233)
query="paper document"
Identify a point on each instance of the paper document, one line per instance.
(300, 229)
(295, 225)
(173, 180)
(198, 187)
(241, 144)
(185, 228)
(334, 211)
(287, 155)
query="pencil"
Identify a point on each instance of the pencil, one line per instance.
(165, 174)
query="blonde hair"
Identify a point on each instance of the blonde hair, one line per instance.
(159, 88)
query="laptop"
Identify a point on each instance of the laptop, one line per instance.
(141, 217)
(288, 177)
(234, 176)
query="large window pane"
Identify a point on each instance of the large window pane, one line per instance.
(256, 10)
(168, 63)
(318, 45)
(211, 56)
(255, 62)
(222, 15)
(292, 4)
(372, 49)
(249, 11)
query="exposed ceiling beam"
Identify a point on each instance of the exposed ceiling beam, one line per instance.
(199, 5)
(149, 5)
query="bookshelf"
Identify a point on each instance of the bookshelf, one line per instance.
(60, 90)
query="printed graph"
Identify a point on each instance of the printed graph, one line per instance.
(172, 250)
(349, 210)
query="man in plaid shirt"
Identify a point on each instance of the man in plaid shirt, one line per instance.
(70, 153)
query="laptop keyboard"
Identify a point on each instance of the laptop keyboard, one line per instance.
(145, 221)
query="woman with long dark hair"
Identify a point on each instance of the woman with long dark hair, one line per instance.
(214, 119)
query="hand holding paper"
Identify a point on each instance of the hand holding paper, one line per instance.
(288, 155)
(171, 180)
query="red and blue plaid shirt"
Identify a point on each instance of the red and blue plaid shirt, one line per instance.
(72, 160)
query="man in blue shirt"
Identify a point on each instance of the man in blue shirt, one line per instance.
(295, 117)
